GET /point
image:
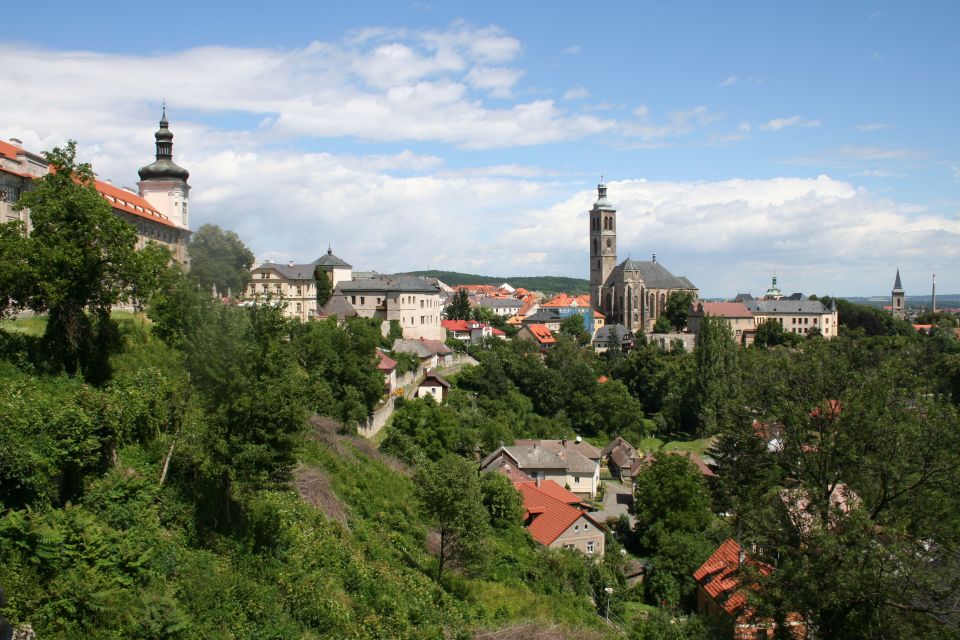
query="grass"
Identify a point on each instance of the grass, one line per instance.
(32, 326)
(698, 446)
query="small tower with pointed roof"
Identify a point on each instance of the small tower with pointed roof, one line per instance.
(603, 243)
(897, 297)
(163, 183)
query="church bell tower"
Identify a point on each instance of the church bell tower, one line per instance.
(163, 183)
(603, 244)
(897, 307)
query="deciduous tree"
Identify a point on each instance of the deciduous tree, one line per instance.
(219, 258)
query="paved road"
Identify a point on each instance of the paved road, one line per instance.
(617, 499)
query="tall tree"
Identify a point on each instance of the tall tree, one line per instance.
(78, 261)
(459, 307)
(678, 308)
(219, 258)
(716, 389)
(450, 498)
(324, 286)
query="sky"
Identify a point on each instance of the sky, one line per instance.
(816, 140)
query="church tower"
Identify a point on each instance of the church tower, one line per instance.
(163, 183)
(897, 307)
(603, 243)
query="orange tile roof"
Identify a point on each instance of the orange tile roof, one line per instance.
(386, 363)
(541, 333)
(119, 199)
(603, 379)
(556, 492)
(551, 516)
(721, 570)
(565, 300)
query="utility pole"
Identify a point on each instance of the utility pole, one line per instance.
(933, 294)
(609, 592)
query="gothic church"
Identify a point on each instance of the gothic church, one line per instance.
(633, 293)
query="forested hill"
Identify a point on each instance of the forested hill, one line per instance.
(546, 284)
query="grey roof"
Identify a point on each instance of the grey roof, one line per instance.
(290, 271)
(338, 306)
(613, 444)
(785, 306)
(542, 316)
(409, 284)
(330, 260)
(653, 274)
(606, 333)
(500, 303)
(586, 449)
(897, 287)
(423, 348)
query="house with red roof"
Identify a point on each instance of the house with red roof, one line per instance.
(722, 594)
(157, 210)
(555, 523)
(388, 367)
(538, 333)
(469, 331)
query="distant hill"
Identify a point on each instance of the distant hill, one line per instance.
(943, 300)
(546, 284)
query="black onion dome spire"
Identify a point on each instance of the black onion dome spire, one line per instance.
(164, 168)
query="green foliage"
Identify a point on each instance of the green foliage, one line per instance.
(78, 261)
(674, 522)
(502, 501)
(772, 334)
(871, 320)
(459, 307)
(678, 308)
(323, 284)
(662, 325)
(573, 326)
(219, 258)
(716, 388)
(448, 492)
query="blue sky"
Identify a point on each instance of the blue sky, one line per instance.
(818, 140)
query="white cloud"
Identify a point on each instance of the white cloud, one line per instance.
(873, 126)
(878, 173)
(497, 81)
(572, 51)
(577, 93)
(729, 80)
(677, 123)
(785, 123)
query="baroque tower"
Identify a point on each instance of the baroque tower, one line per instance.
(603, 243)
(163, 183)
(897, 307)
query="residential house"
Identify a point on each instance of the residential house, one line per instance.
(413, 302)
(570, 463)
(433, 386)
(556, 524)
(565, 306)
(734, 314)
(612, 336)
(538, 333)
(620, 456)
(388, 367)
(721, 595)
(469, 331)
(545, 317)
(644, 461)
(501, 306)
(432, 353)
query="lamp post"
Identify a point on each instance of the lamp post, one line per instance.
(609, 592)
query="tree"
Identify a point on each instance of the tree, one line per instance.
(449, 496)
(78, 261)
(662, 325)
(678, 307)
(771, 334)
(716, 391)
(502, 500)
(573, 326)
(220, 259)
(459, 307)
(674, 518)
(483, 314)
(324, 286)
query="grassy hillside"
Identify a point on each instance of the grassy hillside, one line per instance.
(546, 284)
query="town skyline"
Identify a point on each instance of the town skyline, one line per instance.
(468, 140)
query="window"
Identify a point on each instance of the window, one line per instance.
(576, 527)
(299, 290)
(361, 300)
(353, 299)
(591, 546)
(299, 307)
(569, 546)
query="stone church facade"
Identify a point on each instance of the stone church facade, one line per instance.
(634, 292)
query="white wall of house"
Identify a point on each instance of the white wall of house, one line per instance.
(582, 535)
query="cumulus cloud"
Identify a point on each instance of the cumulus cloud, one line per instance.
(784, 123)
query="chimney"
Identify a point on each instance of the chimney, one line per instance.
(539, 478)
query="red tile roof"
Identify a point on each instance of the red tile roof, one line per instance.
(718, 576)
(726, 310)
(833, 409)
(497, 332)
(512, 473)
(119, 199)
(386, 363)
(564, 300)
(541, 333)
(551, 517)
(556, 492)
(460, 325)
(603, 380)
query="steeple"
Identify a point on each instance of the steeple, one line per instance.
(897, 287)
(897, 299)
(164, 168)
